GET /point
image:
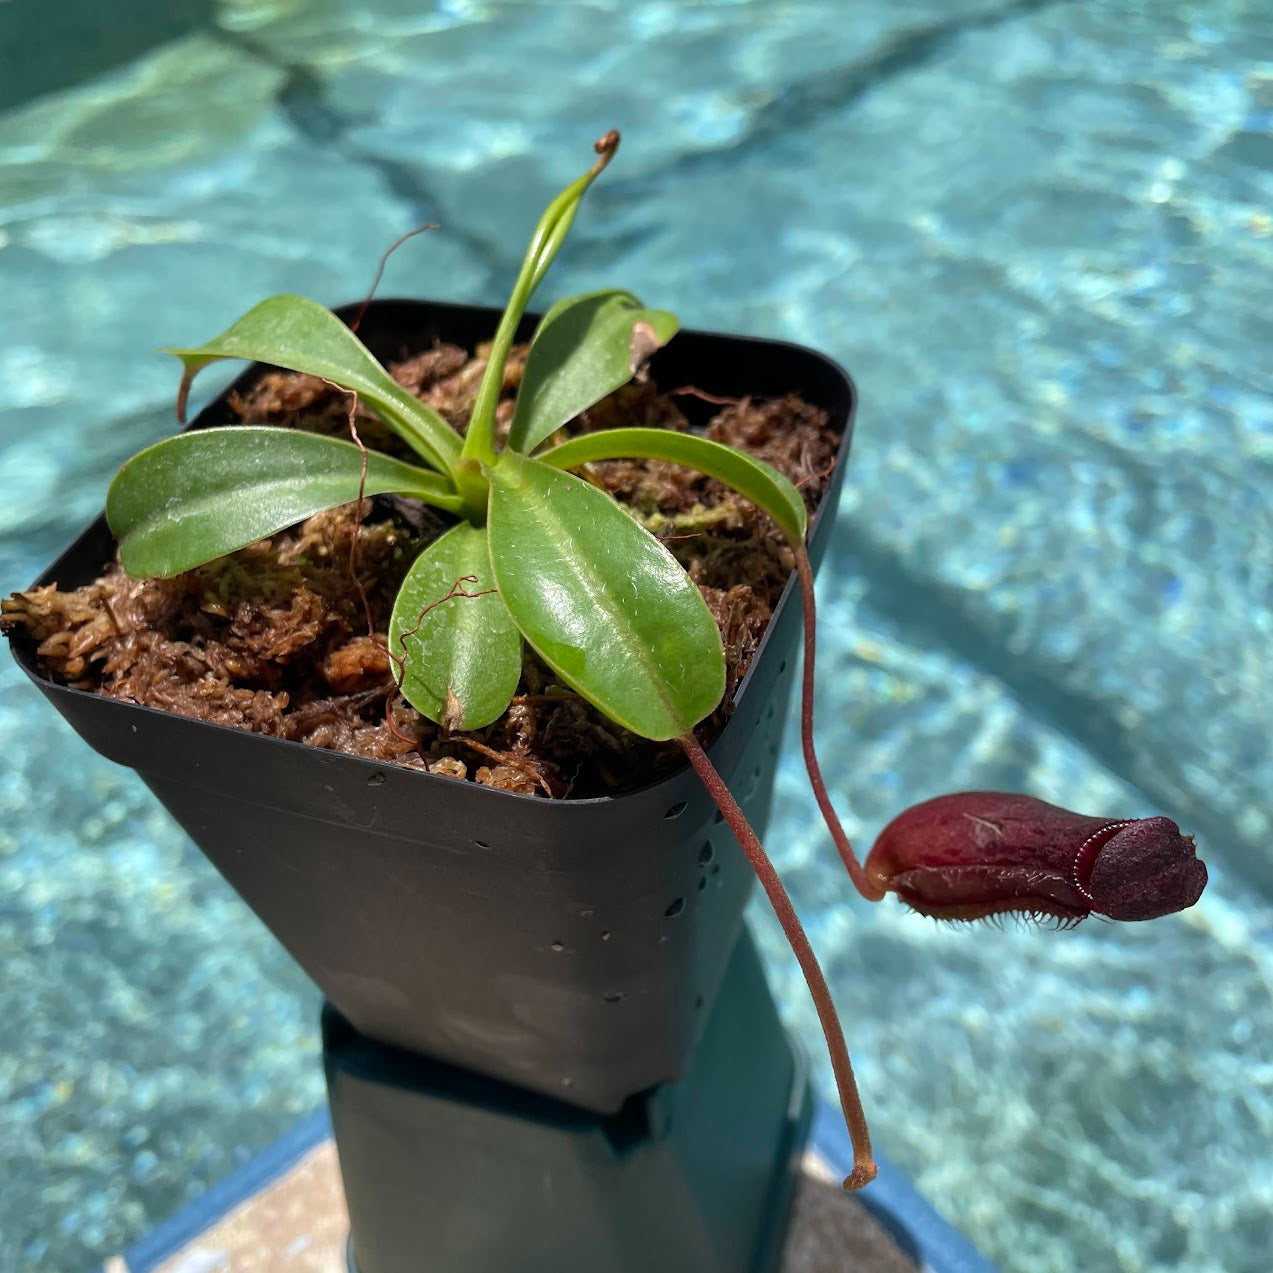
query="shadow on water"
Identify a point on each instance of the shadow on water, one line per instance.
(47, 47)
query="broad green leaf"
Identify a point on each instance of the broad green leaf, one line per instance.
(601, 600)
(585, 348)
(759, 482)
(200, 495)
(463, 652)
(299, 334)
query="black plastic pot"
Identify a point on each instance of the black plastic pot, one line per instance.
(569, 947)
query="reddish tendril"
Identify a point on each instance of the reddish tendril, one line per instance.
(189, 376)
(692, 391)
(380, 269)
(864, 1169)
(358, 514)
(400, 660)
(813, 477)
(868, 887)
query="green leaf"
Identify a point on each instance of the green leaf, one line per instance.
(292, 332)
(759, 482)
(200, 495)
(601, 600)
(585, 348)
(463, 652)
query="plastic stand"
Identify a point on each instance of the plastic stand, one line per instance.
(449, 1172)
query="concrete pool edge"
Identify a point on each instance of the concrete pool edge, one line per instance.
(913, 1227)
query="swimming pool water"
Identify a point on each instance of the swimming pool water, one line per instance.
(1040, 235)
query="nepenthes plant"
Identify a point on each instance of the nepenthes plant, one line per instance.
(539, 555)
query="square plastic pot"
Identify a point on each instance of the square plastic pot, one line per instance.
(572, 948)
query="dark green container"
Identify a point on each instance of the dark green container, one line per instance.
(448, 1172)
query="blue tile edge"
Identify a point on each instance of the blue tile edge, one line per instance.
(936, 1245)
(201, 1214)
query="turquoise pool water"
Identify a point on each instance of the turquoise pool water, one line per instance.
(1041, 237)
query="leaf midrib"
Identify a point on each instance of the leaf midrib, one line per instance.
(614, 611)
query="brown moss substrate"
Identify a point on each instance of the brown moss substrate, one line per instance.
(275, 639)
